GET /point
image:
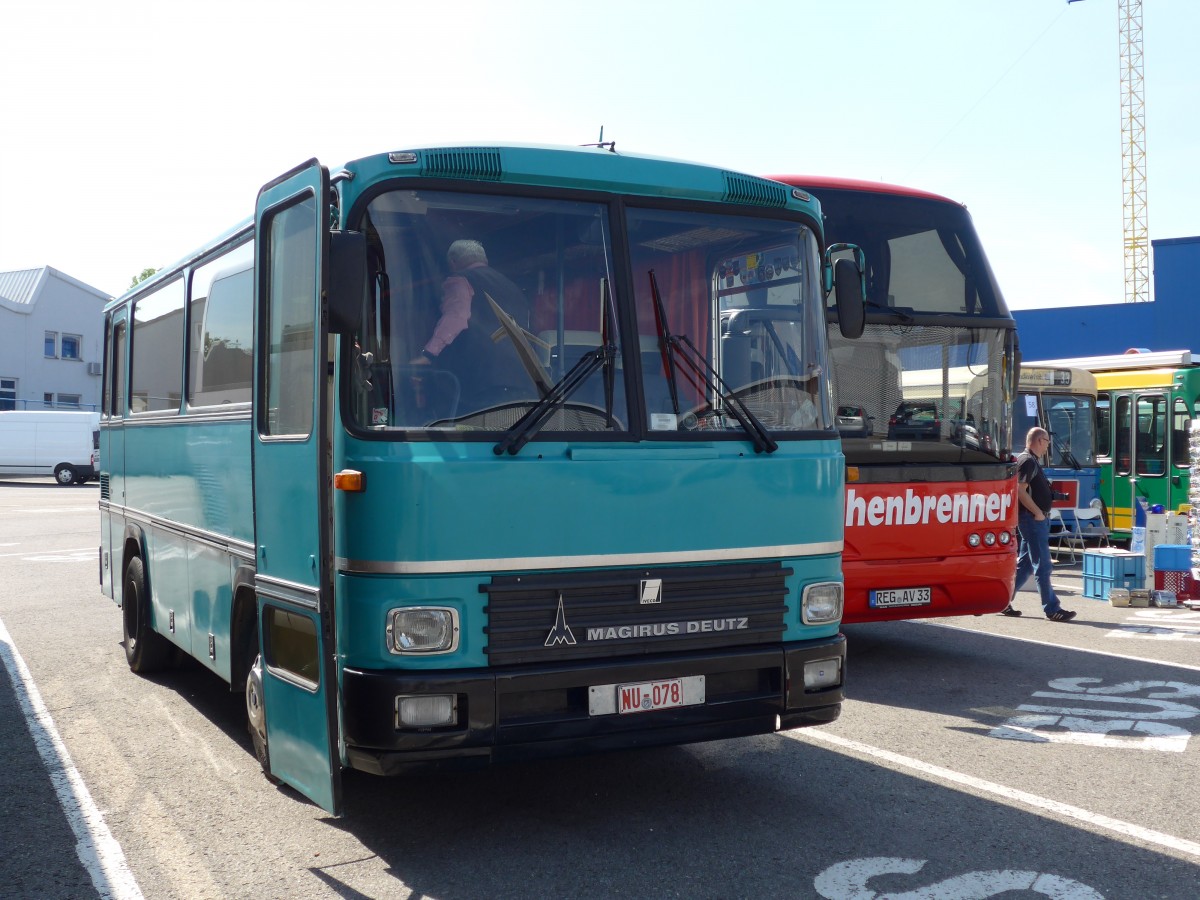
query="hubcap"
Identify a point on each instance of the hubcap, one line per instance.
(254, 699)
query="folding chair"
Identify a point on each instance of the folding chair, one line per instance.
(1065, 536)
(1089, 523)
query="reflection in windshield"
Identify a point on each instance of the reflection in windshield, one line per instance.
(479, 308)
(932, 393)
(764, 335)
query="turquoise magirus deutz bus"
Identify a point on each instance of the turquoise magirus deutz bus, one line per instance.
(462, 455)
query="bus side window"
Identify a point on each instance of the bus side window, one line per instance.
(155, 371)
(220, 357)
(1181, 430)
(1103, 427)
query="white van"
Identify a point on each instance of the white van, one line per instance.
(58, 443)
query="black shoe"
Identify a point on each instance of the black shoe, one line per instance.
(1010, 611)
(1061, 615)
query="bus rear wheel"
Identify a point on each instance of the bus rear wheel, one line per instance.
(145, 649)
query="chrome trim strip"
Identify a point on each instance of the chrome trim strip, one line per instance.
(304, 595)
(597, 560)
(233, 546)
(195, 415)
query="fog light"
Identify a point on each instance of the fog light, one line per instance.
(422, 629)
(972, 540)
(1005, 538)
(822, 673)
(989, 539)
(427, 711)
(821, 603)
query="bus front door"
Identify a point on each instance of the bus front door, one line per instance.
(292, 484)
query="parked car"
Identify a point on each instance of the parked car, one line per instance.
(915, 420)
(853, 421)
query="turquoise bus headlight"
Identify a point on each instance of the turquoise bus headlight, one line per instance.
(422, 629)
(821, 603)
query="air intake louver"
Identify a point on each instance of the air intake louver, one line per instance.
(754, 191)
(481, 163)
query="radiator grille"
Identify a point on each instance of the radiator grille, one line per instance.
(464, 162)
(603, 616)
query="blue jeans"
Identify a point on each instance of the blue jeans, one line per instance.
(1034, 559)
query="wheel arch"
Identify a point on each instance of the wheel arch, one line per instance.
(133, 543)
(243, 626)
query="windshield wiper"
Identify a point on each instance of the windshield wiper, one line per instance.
(681, 347)
(557, 394)
(1064, 452)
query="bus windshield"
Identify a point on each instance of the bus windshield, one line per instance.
(902, 394)
(1070, 419)
(923, 256)
(482, 309)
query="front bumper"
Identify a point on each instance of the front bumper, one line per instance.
(531, 712)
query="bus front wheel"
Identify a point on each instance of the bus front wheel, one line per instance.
(145, 649)
(256, 713)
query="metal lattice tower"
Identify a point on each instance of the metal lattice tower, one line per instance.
(1133, 154)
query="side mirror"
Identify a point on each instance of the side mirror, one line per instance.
(845, 277)
(851, 311)
(347, 280)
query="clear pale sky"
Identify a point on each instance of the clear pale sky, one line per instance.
(132, 131)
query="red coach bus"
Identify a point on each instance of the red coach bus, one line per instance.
(930, 484)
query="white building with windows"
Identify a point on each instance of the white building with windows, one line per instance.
(51, 341)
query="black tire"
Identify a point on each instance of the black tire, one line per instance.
(65, 475)
(145, 649)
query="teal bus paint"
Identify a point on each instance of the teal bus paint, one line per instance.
(574, 486)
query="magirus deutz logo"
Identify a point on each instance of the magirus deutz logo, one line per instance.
(650, 593)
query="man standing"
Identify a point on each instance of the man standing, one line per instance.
(1035, 497)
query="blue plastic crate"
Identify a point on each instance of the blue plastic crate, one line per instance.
(1097, 587)
(1172, 558)
(1114, 564)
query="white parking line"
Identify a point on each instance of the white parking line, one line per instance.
(95, 846)
(1007, 795)
(1008, 637)
(91, 549)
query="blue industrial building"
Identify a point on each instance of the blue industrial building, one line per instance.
(1170, 322)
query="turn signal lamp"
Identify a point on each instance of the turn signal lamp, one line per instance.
(851, 473)
(1005, 538)
(972, 540)
(351, 481)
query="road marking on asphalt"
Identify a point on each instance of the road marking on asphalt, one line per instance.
(95, 846)
(1006, 795)
(26, 554)
(1116, 718)
(1008, 637)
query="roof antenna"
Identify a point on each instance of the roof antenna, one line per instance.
(611, 145)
